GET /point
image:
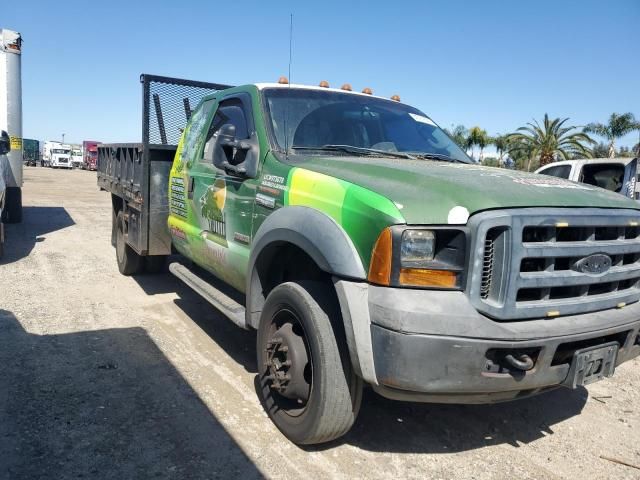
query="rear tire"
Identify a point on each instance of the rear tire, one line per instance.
(129, 262)
(322, 403)
(12, 212)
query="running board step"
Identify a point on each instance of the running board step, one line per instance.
(228, 306)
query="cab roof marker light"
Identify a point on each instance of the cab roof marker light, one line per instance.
(283, 80)
(395, 98)
(323, 84)
(346, 86)
(367, 91)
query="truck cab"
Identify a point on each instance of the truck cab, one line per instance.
(60, 157)
(365, 247)
(76, 157)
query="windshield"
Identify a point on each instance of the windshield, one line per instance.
(311, 119)
(60, 151)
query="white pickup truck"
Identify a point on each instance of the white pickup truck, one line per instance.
(615, 174)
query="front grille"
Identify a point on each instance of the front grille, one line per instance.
(559, 262)
(487, 266)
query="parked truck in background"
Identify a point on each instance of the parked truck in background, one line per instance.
(11, 122)
(618, 175)
(30, 152)
(365, 247)
(57, 154)
(76, 156)
(89, 154)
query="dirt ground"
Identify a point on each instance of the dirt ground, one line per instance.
(104, 376)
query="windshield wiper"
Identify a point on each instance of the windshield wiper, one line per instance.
(435, 156)
(357, 151)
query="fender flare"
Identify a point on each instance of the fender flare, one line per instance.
(312, 231)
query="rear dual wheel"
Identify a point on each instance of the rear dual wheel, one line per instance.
(129, 262)
(305, 379)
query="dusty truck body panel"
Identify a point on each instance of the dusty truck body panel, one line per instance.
(446, 281)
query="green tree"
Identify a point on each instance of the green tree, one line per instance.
(617, 126)
(550, 141)
(458, 134)
(625, 152)
(600, 150)
(501, 142)
(477, 137)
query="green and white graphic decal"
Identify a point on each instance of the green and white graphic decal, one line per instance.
(362, 213)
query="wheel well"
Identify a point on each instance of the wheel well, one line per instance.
(279, 262)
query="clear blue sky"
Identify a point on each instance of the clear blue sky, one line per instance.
(495, 64)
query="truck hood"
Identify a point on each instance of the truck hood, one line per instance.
(428, 192)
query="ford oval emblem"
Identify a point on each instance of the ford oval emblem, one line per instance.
(593, 264)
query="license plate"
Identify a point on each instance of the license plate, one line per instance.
(592, 364)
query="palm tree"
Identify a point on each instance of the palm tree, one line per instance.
(550, 140)
(501, 143)
(618, 126)
(479, 137)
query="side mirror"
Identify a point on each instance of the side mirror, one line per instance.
(228, 153)
(5, 143)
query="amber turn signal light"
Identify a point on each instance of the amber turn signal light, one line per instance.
(283, 80)
(380, 267)
(419, 277)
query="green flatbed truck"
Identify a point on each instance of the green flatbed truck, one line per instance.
(366, 249)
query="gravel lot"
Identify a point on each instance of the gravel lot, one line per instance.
(104, 376)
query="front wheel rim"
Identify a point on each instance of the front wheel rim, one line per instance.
(288, 365)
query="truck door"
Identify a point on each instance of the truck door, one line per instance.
(223, 203)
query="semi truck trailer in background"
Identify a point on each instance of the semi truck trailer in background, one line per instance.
(31, 152)
(11, 122)
(89, 154)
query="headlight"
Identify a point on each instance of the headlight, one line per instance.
(417, 246)
(431, 257)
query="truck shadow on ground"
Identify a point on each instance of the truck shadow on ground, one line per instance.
(22, 237)
(391, 426)
(104, 404)
(385, 425)
(238, 343)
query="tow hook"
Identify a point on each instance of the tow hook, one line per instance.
(520, 362)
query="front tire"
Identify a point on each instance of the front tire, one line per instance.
(129, 262)
(305, 379)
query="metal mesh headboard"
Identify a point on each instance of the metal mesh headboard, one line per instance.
(167, 104)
